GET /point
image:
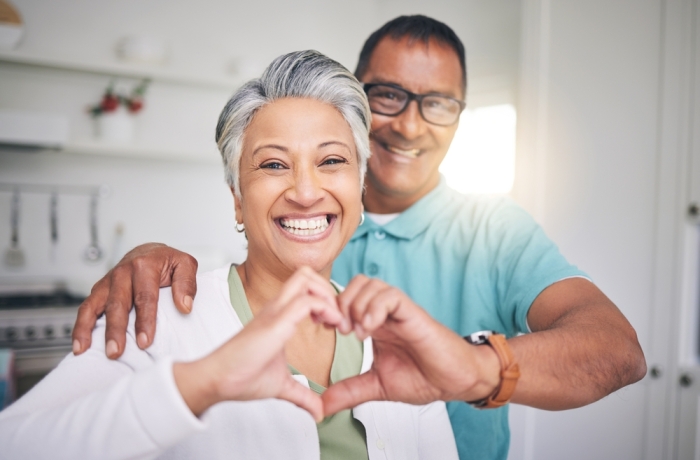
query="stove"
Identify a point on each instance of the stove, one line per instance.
(36, 323)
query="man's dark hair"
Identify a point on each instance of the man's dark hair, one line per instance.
(416, 27)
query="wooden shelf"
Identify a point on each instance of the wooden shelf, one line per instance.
(88, 147)
(118, 70)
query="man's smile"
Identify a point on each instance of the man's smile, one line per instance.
(406, 152)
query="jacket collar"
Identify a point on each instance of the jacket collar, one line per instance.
(413, 221)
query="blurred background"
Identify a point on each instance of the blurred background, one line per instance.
(583, 111)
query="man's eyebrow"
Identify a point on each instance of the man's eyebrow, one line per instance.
(271, 146)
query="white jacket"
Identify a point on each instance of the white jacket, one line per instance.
(92, 407)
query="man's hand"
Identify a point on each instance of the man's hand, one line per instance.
(416, 359)
(135, 280)
(252, 364)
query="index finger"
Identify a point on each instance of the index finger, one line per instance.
(88, 312)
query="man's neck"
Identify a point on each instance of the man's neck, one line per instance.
(381, 201)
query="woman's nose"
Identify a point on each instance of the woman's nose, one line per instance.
(410, 123)
(307, 188)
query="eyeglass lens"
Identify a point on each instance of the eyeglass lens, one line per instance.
(388, 100)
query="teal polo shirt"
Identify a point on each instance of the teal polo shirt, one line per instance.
(474, 263)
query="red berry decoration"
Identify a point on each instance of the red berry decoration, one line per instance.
(111, 100)
(135, 105)
(110, 103)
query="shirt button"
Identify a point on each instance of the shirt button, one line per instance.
(373, 269)
(380, 444)
(380, 235)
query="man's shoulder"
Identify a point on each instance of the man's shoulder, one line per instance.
(483, 210)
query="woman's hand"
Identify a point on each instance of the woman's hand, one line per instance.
(135, 280)
(252, 364)
(416, 359)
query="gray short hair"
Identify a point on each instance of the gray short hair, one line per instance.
(302, 74)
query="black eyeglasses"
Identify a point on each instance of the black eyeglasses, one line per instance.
(391, 100)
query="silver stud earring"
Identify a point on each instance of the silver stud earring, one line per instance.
(362, 218)
(240, 228)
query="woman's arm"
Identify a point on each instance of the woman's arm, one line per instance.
(91, 407)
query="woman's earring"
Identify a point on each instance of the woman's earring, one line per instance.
(362, 218)
(240, 228)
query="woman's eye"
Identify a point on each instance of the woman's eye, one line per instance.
(334, 161)
(273, 165)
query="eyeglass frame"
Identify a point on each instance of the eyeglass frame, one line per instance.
(414, 97)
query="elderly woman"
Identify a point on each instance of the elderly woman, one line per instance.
(295, 145)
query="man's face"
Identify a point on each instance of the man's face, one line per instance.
(403, 179)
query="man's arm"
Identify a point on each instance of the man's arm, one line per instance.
(135, 280)
(582, 348)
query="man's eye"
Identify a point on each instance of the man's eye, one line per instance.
(387, 95)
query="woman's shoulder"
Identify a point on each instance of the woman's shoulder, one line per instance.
(211, 321)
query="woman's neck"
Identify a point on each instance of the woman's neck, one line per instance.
(261, 284)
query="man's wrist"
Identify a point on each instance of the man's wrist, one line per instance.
(488, 375)
(509, 371)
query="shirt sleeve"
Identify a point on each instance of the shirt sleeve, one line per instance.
(93, 407)
(526, 263)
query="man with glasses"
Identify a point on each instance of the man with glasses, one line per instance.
(476, 264)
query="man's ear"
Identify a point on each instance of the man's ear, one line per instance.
(237, 206)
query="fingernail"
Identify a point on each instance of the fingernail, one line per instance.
(367, 320)
(76, 347)
(142, 340)
(359, 330)
(188, 302)
(112, 348)
(344, 326)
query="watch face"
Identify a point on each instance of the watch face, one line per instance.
(479, 338)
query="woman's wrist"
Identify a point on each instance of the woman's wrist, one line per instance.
(196, 385)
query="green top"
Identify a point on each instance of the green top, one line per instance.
(341, 436)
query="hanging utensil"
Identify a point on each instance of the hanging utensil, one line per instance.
(14, 256)
(53, 223)
(93, 253)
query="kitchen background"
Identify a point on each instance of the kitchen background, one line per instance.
(605, 156)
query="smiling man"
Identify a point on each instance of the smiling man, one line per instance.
(476, 264)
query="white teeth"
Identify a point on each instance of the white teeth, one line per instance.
(305, 227)
(407, 153)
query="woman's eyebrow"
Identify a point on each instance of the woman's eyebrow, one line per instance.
(271, 146)
(329, 143)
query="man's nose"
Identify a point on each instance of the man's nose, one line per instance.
(410, 123)
(306, 189)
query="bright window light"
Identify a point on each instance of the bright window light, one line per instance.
(481, 158)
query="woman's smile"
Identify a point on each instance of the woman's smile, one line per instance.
(309, 228)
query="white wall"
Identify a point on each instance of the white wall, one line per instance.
(588, 169)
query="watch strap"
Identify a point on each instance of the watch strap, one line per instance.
(510, 373)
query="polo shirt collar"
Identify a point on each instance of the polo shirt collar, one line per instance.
(415, 219)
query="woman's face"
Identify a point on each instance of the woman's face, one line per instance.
(300, 186)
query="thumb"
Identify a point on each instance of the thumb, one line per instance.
(303, 397)
(352, 392)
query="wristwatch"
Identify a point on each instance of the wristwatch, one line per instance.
(510, 372)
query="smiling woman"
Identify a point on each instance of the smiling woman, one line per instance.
(295, 146)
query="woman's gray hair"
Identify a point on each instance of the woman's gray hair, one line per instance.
(302, 74)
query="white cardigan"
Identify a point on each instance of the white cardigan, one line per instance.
(92, 407)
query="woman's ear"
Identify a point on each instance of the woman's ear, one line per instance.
(237, 206)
